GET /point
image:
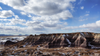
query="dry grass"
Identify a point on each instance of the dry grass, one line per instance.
(32, 51)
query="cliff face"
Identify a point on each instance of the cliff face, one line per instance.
(80, 39)
(51, 44)
(96, 40)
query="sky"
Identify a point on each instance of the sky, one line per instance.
(49, 16)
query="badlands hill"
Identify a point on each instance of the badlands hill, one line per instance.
(80, 39)
(34, 43)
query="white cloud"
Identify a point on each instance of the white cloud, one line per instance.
(91, 27)
(82, 7)
(65, 23)
(13, 21)
(21, 30)
(32, 23)
(0, 8)
(16, 16)
(47, 14)
(83, 30)
(87, 15)
(30, 26)
(70, 27)
(1, 24)
(98, 23)
(94, 5)
(63, 15)
(23, 13)
(38, 28)
(37, 7)
(83, 19)
(16, 21)
(44, 24)
(13, 3)
(47, 7)
(80, 1)
(29, 15)
(9, 29)
(6, 13)
(4, 19)
(49, 24)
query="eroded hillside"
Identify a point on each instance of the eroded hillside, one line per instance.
(35, 43)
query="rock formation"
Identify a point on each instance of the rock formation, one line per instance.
(59, 44)
(79, 39)
(7, 43)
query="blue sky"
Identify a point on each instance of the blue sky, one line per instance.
(44, 16)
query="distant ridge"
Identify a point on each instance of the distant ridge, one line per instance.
(13, 35)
